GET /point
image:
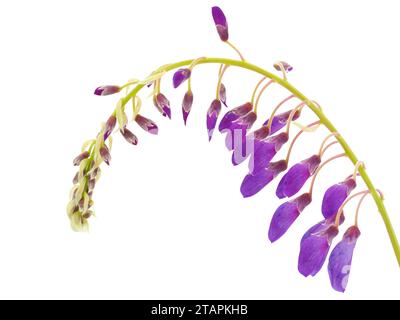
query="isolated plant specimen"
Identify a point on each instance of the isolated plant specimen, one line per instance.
(258, 148)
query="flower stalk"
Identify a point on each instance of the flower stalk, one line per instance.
(314, 108)
(259, 147)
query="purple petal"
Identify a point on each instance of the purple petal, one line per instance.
(105, 154)
(340, 259)
(220, 23)
(249, 145)
(227, 120)
(297, 176)
(240, 154)
(80, 157)
(265, 150)
(236, 133)
(167, 111)
(187, 105)
(263, 153)
(280, 120)
(180, 76)
(162, 104)
(335, 196)
(146, 124)
(314, 248)
(242, 151)
(322, 225)
(286, 214)
(253, 183)
(106, 90)
(110, 125)
(129, 136)
(218, 16)
(222, 94)
(233, 115)
(212, 115)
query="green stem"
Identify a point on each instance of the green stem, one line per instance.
(318, 112)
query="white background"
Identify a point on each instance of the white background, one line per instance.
(171, 222)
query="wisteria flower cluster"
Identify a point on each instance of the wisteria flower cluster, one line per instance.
(257, 145)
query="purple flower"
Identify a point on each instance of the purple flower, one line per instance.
(80, 157)
(110, 125)
(222, 94)
(322, 225)
(285, 215)
(212, 115)
(76, 178)
(237, 131)
(296, 177)
(314, 247)
(129, 136)
(280, 120)
(286, 66)
(187, 105)
(261, 149)
(254, 182)
(220, 23)
(106, 90)
(146, 124)
(340, 259)
(240, 154)
(105, 154)
(233, 115)
(180, 76)
(162, 104)
(265, 150)
(335, 196)
(257, 139)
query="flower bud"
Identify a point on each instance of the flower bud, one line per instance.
(129, 136)
(110, 125)
(233, 115)
(146, 124)
(283, 65)
(91, 184)
(340, 259)
(285, 215)
(162, 104)
(106, 90)
(335, 196)
(220, 23)
(297, 176)
(187, 105)
(87, 214)
(105, 154)
(222, 94)
(314, 247)
(80, 157)
(180, 76)
(78, 222)
(212, 115)
(256, 181)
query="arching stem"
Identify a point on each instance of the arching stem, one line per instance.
(318, 112)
